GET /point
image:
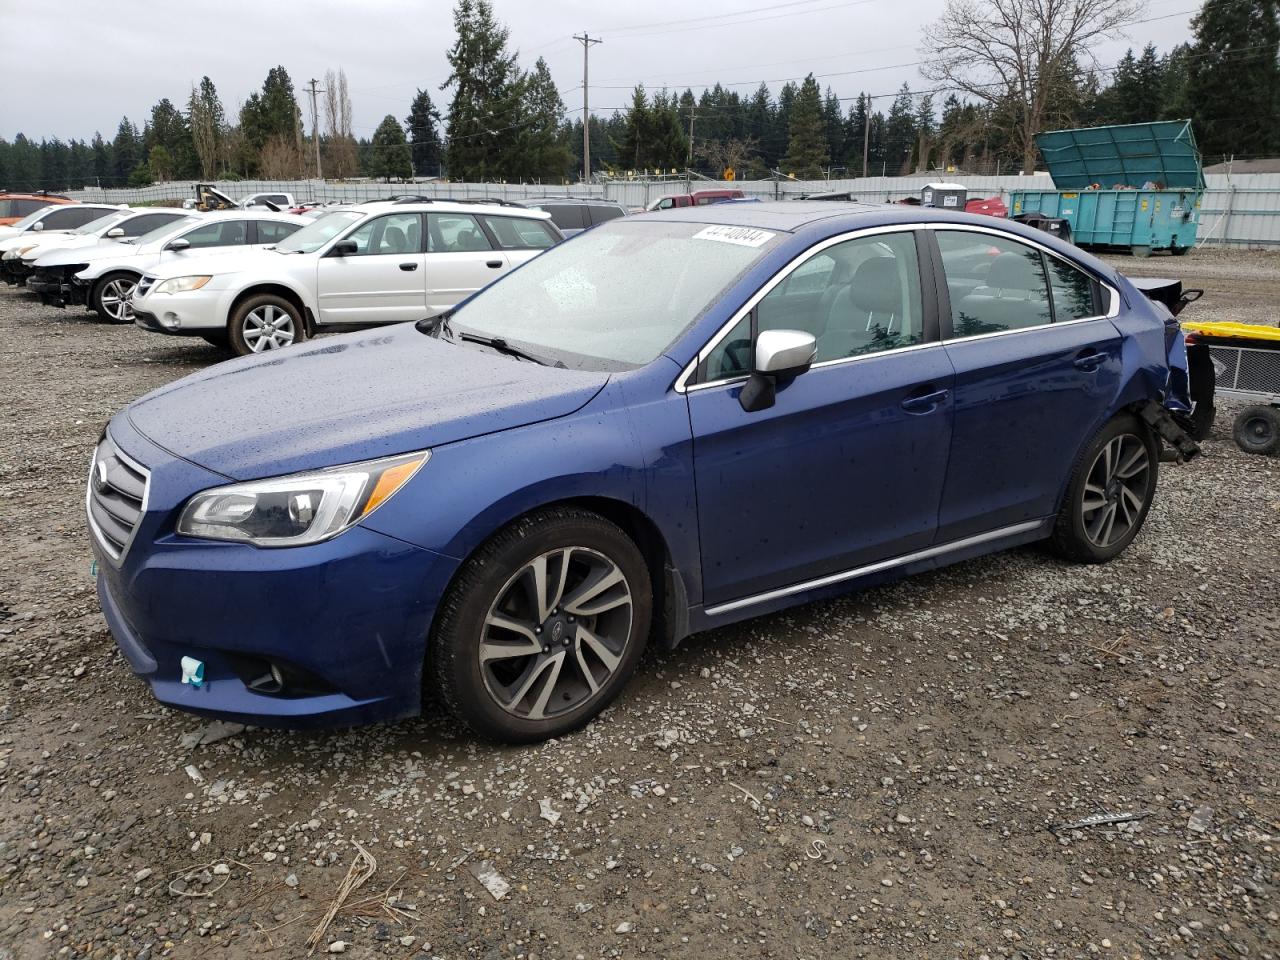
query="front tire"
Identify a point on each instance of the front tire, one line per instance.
(1110, 493)
(543, 626)
(110, 297)
(264, 322)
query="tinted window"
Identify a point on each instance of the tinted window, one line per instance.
(221, 233)
(396, 233)
(994, 284)
(1075, 293)
(857, 297)
(137, 226)
(520, 233)
(71, 216)
(454, 233)
(606, 211)
(567, 216)
(273, 231)
(19, 208)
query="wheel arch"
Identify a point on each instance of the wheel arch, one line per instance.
(670, 622)
(274, 288)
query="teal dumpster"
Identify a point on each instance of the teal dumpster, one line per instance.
(1134, 187)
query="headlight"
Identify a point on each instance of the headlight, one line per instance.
(181, 284)
(300, 509)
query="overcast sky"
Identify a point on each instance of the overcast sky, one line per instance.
(70, 67)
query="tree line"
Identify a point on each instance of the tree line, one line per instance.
(507, 123)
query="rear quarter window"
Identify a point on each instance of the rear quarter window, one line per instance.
(520, 233)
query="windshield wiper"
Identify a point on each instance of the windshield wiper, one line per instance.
(501, 345)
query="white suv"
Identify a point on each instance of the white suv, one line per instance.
(103, 276)
(380, 262)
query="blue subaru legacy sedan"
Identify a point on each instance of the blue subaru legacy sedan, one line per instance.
(674, 422)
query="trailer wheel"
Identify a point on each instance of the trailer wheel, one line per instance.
(1257, 429)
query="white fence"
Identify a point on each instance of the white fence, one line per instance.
(1242, 210)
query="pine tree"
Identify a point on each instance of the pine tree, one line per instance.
(900, 134)
(537, 150)
(102, 162)
(391, 154)
(1233, 80)
(207, 122)
(126, 153)
(424, 136)
(807, 151)
(485, 106)
(169, 129)
(759, 124)
(833, 118)
(633, 144)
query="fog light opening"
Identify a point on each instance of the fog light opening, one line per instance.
(270, 682)
(170, 320)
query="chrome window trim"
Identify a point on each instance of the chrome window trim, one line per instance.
(116, 558)
(870, 568)
(682, 384)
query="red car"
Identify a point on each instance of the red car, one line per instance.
(696, 199)
(992, 207)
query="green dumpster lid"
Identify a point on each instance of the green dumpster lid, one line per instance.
(1130, 155)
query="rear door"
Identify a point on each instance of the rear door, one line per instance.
(1037, 365)
(519, 238)
(461, 259)
(383, 281)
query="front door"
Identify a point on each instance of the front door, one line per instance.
(846, 468)
(460, 260)
(383, 281)
(1037, 366)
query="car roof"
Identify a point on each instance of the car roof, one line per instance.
(240, 213)
(448, 206)
(611, 203)
(794, 215)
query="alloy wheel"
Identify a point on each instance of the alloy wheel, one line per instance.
(117, 299)
(1115, 491)
(556, 633)
(268, 328)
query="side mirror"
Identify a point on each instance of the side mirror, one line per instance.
(179, 244)
(115, 232)
(38, 226)
(779, 354)
(343, 248)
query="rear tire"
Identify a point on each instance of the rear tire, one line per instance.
(109, 298)
(526, 644)
(265, 322)
(1257, 429)
(1110, 492)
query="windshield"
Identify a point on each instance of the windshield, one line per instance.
(315, 235)
(617, 296)
(31, 218)
(93, 226)
(162, 231)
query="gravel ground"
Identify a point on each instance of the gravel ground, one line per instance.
(879, 776)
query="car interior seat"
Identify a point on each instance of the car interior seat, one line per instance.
(1013, 295)
(869, 307)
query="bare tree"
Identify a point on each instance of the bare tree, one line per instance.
(281, 159)
(1019, 52)
(341, 157)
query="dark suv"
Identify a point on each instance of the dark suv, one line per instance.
(573, 215)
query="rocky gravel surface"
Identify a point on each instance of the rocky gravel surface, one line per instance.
(1011, 757)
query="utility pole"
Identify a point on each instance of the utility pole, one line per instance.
(315, 123)
(866, 132)
(688, 166)
(587, 43)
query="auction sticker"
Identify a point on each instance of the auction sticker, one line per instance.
(742, 236)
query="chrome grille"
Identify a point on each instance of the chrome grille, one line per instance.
(116, 499)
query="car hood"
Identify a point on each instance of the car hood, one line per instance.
(213, 263)
(348, 398)
(8, 232)
(100, 250)
(54, 242)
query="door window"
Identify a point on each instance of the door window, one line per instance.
(566, 216)
(137, 226)
(1076, 295)
(858, 297)
(273, 231)
(994, 284)
(395, 233)
(455, 233)
(519, 233)
(221, 233)
(605, 211)
(72, 216)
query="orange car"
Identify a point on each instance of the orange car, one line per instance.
(15, 206)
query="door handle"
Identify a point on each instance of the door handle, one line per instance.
(925, 402)
(408, 267)
(494, 264)
(1089, 362)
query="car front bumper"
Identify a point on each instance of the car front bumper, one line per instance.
(345, 621)
(183, 314)
(14, 271)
